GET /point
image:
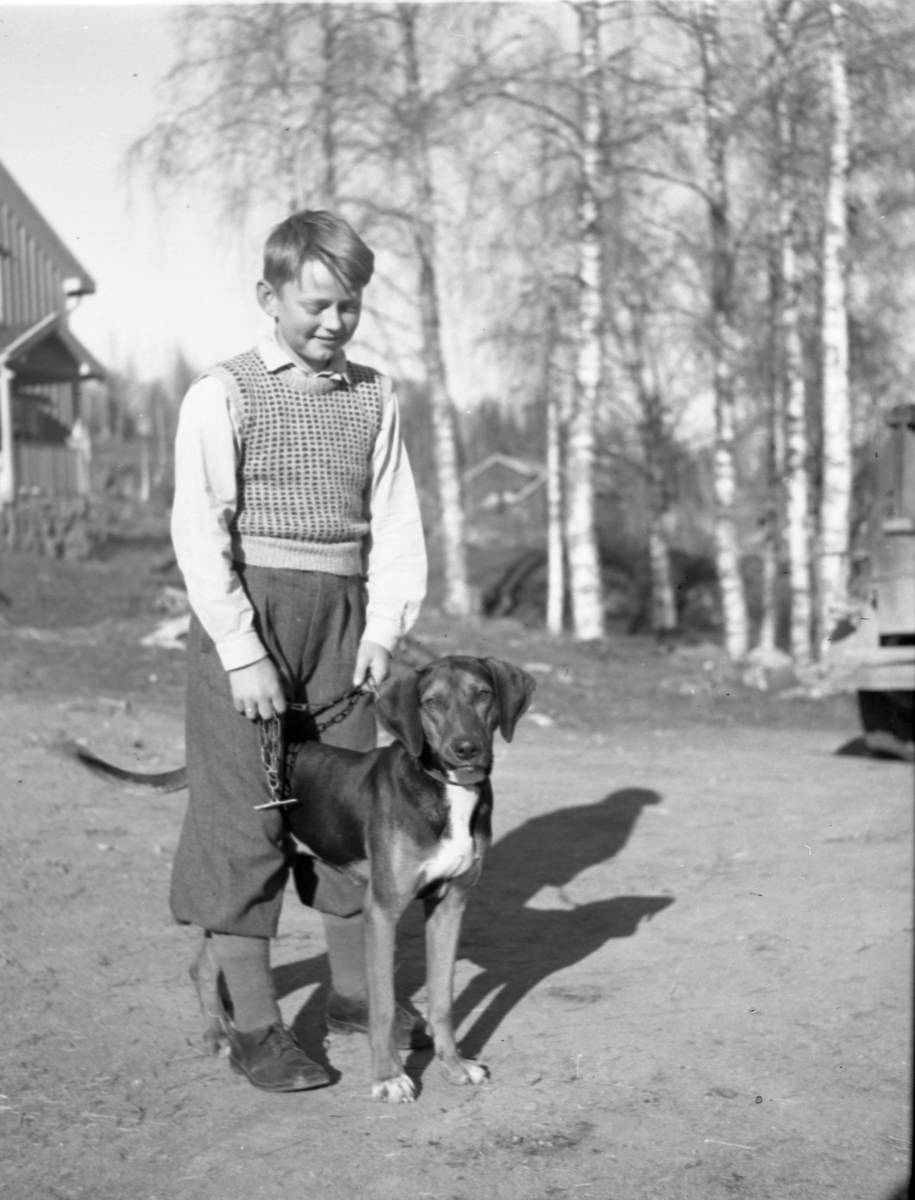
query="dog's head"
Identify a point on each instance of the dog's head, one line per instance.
(447, 712)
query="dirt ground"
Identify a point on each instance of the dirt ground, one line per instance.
(688, 966)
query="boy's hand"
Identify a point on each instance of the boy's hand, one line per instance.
(257, 690)
(374, 658)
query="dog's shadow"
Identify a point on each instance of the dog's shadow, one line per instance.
(515, 946)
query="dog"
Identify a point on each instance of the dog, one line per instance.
(412, 820)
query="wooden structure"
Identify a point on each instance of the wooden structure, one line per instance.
(893, 541)
(878, 659)
(499, 482)
(42, 443)
(506, 501)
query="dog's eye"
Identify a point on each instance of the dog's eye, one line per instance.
(483, 694)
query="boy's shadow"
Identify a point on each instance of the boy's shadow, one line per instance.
(516, 947)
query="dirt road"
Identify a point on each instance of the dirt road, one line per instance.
(688, 969)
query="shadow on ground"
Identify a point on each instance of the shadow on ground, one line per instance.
(515, 947)
(894, 751)
(903, 1192)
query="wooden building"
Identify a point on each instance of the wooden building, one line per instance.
(42, 364)
(506, 501)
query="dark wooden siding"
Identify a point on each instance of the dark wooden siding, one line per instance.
(31, 284)
(33, 403)
(56, 470)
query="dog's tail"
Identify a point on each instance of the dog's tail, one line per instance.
(162, 782)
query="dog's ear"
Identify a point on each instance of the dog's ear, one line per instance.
(514, 689)
(398, 709)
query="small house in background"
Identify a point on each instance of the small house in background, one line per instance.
(506, 500)
(43, 445)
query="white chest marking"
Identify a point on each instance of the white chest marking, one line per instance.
(454, 854)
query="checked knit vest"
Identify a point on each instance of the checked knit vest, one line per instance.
(304, 466)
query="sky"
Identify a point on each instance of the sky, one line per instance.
(78, 84)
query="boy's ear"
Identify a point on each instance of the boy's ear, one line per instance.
(398, 710)
(266, 298)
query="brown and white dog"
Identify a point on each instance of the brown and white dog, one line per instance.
(412, 819)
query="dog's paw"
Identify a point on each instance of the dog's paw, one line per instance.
(400, 1089)
(462, 1071)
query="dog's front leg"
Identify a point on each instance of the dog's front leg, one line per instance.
(389, 1080)
(443, 931)
(210, 988)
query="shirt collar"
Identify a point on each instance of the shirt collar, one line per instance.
(277, 359)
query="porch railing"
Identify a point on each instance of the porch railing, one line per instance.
(51, 469)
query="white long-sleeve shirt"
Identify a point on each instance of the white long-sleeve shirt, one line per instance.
(207, 447)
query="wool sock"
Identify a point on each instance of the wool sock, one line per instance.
(245, 963)
(346, 950)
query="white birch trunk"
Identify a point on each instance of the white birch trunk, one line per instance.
(556, 579)
(457, 599)
(768, 581)
(654, 432)
(163, 441)
(835, 504)
(144, 430)
(584, 562)
(796, 465)
(328, 22)
(727, 553)
(663, 603)
(768, 626)
(797, 484)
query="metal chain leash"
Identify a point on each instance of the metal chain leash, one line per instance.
(271, 757)
(279, 760)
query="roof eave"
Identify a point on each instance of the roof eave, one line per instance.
(69, 263)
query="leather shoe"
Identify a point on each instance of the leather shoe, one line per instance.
(350, 1014)
(271, 1059)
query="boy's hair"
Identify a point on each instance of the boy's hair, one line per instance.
(314, 234)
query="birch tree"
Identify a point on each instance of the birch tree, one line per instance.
(723, 333)
(422, 225)
(556, 574)
(535, 95)
(254, 105)
(630, 322)
(641, 289)
(835, 504)
(655, 439)
(330, 87)
(792, 384)
(584, 562)
(775, 455)
(552, 392)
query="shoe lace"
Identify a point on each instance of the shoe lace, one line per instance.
(281, 1037)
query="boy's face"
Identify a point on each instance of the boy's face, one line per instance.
(315, 315)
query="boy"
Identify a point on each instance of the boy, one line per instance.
(297, 528)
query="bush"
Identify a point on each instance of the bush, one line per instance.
(51, 526)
